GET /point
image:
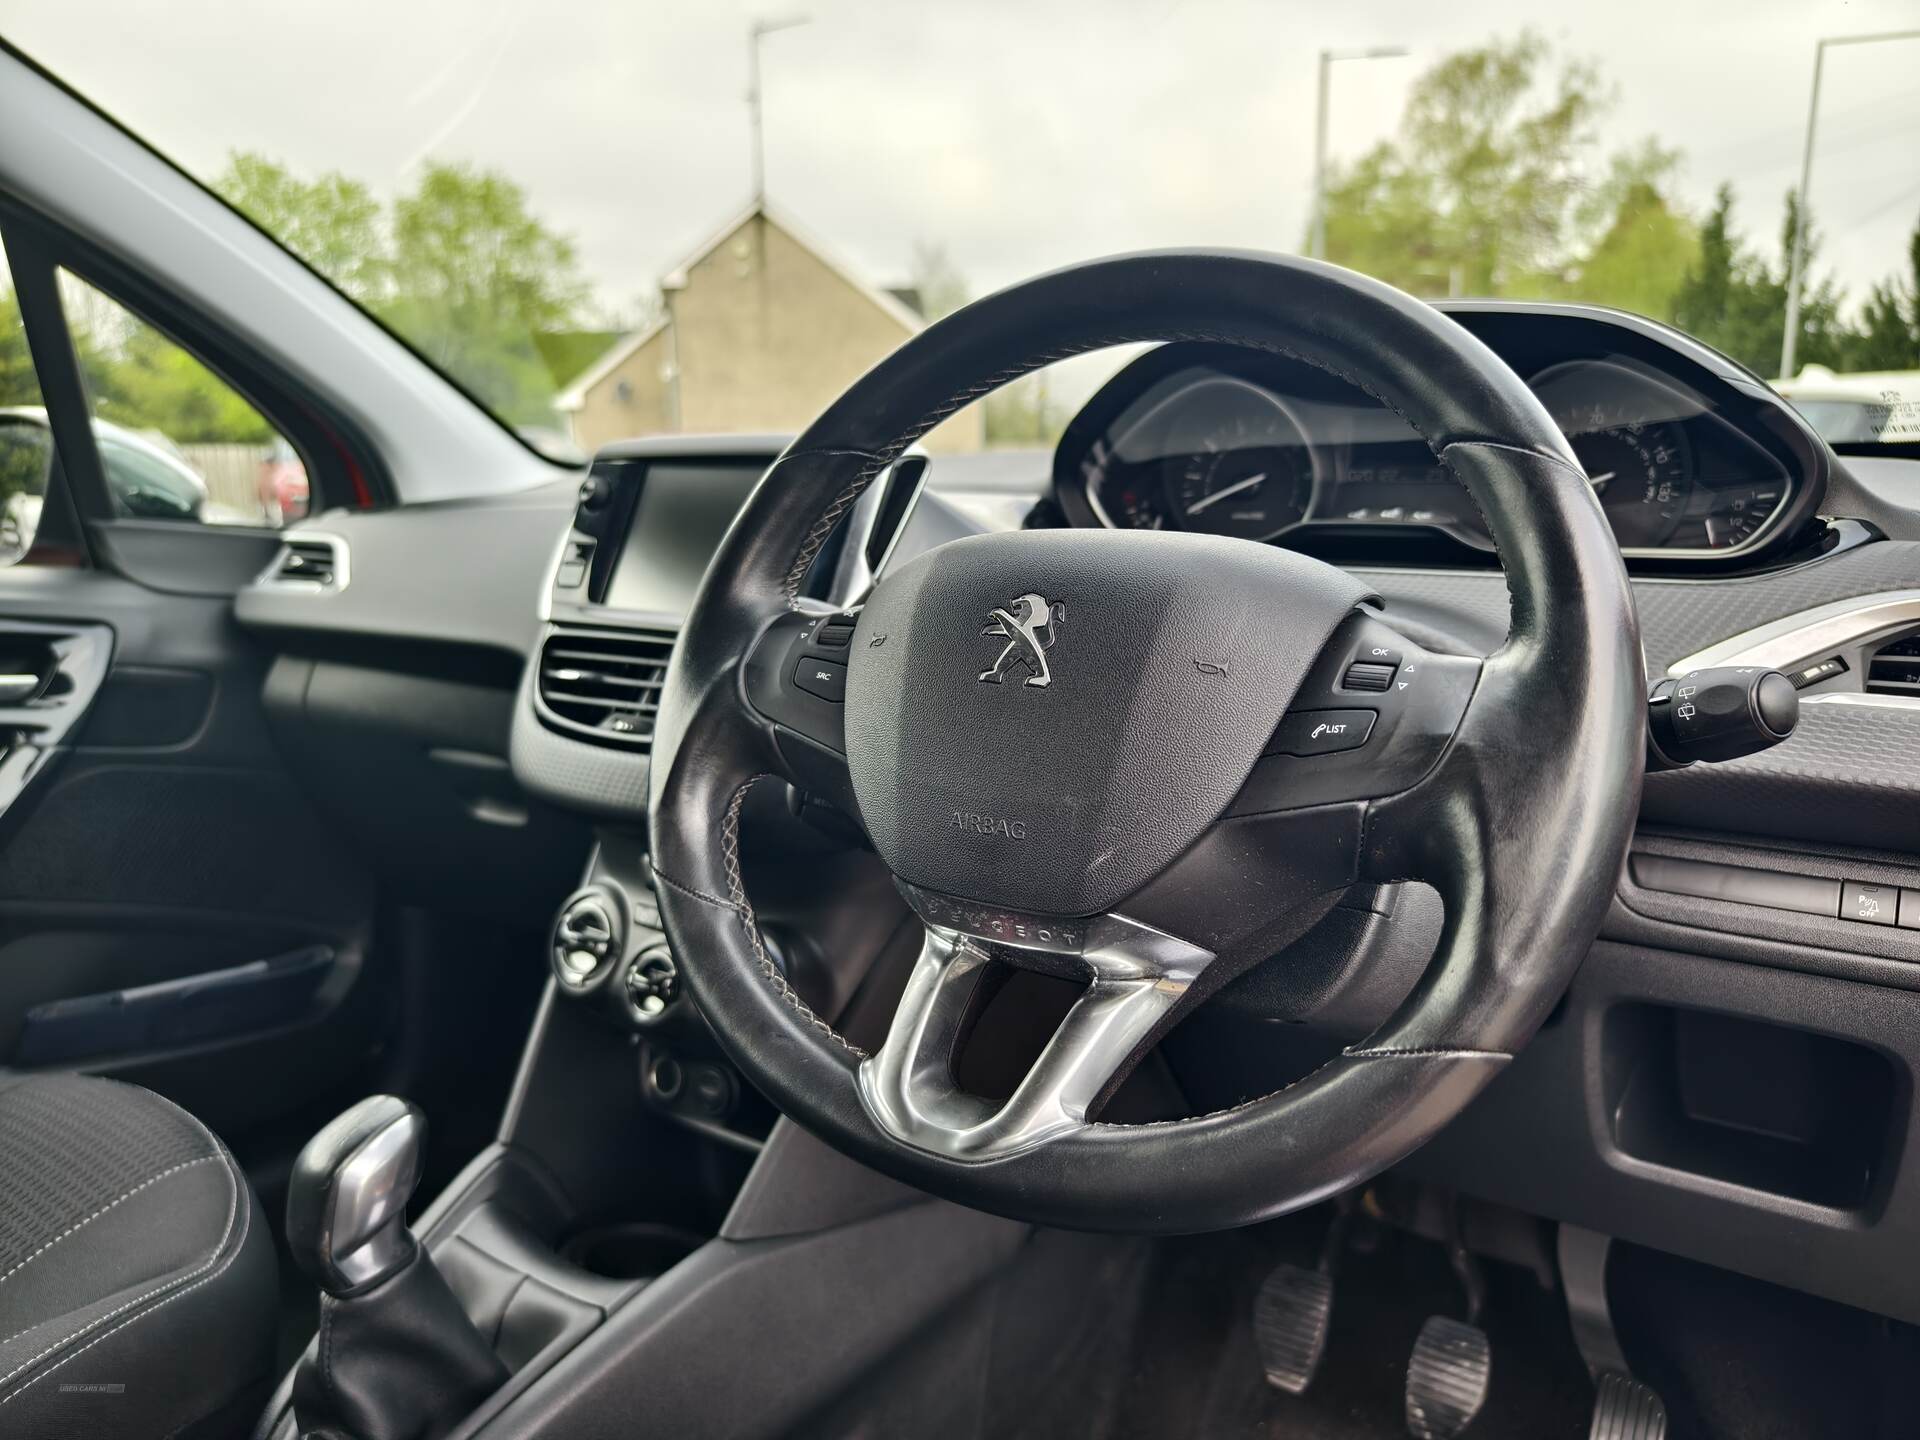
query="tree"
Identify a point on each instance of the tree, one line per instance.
(474, 277)
(937, 281)
(1644, 247)
(1736, 301)
(332, 222)
(18, 384)
(1477, 194)
(1889, 334)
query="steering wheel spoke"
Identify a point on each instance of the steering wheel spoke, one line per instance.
(794, 680)
(1137, 978)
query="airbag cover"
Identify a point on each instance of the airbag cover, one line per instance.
(1044, 720)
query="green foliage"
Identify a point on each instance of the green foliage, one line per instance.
(17, 383)
(1736, 301)
(149, 383)
(1478, 193)
(1889, 333)
(474, 278)
(1644, 245)
(332, 222)
(458, 265)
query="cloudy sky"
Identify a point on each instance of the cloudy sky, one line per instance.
(1018, 134)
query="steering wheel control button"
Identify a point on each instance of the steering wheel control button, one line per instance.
(835, 633)
(1373, 672)
(1322, 732)
(1869, 904)
(825, 678)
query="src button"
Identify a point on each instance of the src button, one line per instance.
(825, 678)
(1321, 732)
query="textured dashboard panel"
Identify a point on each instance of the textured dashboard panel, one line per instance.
(1677, 617)
(575, 774)
(1849, 775)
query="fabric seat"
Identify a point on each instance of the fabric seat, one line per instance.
(138, 1285)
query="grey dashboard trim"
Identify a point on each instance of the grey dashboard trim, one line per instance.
(467, 572)
(1794, 640)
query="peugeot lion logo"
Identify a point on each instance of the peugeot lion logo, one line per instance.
(1028, 626)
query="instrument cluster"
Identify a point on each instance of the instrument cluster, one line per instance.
(1687, 465)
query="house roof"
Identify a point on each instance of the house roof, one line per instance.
(575, 395)
(621, 351)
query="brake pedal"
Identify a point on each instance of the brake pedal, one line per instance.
(1447, 1378)
(1291, 1317)
(1624, 1409)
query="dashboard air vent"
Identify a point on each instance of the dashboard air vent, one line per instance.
(604, 683)
(1895, 668)
(309, 564)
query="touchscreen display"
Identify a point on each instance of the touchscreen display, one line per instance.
(683, 512)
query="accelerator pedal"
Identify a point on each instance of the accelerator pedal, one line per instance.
(1291, 1317)
(1624, 1409)
(1447, 1378)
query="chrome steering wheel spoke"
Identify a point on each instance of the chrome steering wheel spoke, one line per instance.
(1137, 977)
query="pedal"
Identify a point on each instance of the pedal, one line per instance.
(1625, 1409)
(1447, 1378)
(1291, 1317)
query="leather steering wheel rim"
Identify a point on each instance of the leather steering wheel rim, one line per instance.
(1522, 823)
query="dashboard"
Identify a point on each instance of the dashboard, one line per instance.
(1694, 463)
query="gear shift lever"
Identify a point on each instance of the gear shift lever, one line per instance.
(397, 1357)
(347, 1199)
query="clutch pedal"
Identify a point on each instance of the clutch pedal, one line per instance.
(1293, 1312)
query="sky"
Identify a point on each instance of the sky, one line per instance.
(1017, 134)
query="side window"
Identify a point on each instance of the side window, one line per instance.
(176, 442)
(26, 444)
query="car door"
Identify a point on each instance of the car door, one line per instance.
(173, 910)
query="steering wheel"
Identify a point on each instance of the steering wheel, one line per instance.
(1093, 753)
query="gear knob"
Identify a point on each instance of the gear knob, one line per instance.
(347, 1197)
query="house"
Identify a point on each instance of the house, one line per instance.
(759, 330)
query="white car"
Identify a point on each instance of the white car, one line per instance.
(145, 479)
(1866, 407)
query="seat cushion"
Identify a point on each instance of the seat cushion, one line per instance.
(137, 1277)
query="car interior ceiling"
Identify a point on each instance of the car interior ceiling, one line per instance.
(1384, 899)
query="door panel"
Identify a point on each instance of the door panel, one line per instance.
(169, 841)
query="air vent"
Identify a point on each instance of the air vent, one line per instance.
(604, 683)
(1895, 668)
(309, 563)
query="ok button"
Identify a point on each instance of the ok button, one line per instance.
(1321, 732)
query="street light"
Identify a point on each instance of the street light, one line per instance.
(756, 32)
(1317, 246)
(1799, 260)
